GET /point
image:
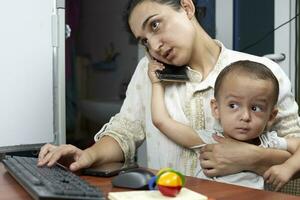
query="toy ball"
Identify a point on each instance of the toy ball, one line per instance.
(169, 182)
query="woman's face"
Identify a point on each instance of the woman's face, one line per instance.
(168, 34)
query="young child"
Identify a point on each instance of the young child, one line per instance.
(245, 94)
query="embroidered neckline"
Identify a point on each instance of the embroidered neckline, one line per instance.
(196, 76)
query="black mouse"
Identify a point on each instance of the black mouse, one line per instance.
(134, 179)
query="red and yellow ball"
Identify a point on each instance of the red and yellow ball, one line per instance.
(169, 182)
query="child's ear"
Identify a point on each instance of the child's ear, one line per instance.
(188, 7)
(214, 109)
(272, 117)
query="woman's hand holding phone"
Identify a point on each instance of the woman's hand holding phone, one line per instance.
(158, 71)
(153, 67)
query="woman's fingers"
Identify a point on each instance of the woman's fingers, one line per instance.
(44, 150)
(205, 164)
(61, 151)
(45, 153)
(218, 138)
(43, 161)
(48, 158)
(208, 164)
(155, 65)
(206, 148)
(210, 172)
(50, 154)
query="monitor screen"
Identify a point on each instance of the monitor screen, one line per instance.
(26, 74)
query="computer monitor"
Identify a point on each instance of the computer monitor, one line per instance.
(31, 74)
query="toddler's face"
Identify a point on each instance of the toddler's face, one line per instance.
(244, 107)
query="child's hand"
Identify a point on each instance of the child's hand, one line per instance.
(278, 176)
(154, 66)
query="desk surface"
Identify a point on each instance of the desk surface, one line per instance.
(10, 189)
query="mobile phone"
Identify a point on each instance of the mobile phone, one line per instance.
(170, 72)
(173, 73)
(109, 169)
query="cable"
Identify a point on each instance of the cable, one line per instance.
(297, 54)
(269, 33)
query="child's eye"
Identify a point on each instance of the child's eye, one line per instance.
(154, 25)
(256, 108)
(233, 105)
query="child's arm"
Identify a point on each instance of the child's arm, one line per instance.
(176, 131)
(279, 175)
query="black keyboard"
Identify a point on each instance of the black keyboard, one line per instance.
(49, 183)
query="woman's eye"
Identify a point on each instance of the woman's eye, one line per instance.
(233, 105)
(256, 109)
(154, 25)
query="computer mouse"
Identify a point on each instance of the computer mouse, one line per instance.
(133, 178)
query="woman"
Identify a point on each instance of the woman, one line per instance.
(171, 34)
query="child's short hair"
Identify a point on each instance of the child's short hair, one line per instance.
(254, 70)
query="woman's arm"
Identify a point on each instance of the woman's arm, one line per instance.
(230, 156)
(103, 151)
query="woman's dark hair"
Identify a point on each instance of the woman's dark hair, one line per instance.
(251, 69)
(176, 4)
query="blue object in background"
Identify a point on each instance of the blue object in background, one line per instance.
(253, 20)
(206, 15)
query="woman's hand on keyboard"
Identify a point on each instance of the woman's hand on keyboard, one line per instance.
(104, 151)
(68, 155)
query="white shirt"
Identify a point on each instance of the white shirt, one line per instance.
(245, 178)
(188, 103)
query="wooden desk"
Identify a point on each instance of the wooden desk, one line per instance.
(11, 190)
